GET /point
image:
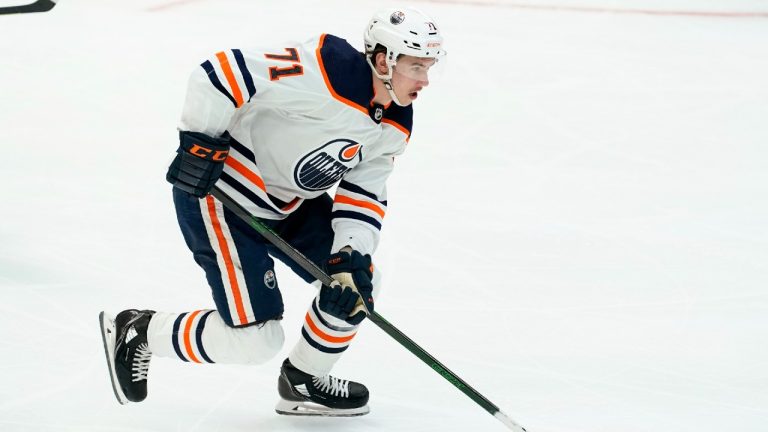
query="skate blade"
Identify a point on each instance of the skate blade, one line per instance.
(285, 407)
(107, 324)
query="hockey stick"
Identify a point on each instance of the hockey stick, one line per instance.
(38, 6)
(377, 319)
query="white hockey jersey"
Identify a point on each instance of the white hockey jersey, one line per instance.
(301, 120)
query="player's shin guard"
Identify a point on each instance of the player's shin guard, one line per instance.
(203, 337)
(323, 339)
(304, 384)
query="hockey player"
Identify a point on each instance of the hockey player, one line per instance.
(275, 129)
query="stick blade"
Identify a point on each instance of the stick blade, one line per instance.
(508, 422)
(37, 6)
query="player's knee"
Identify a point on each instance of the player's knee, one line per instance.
(264, 341)
(253, 344)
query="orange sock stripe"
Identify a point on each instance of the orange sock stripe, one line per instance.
(230, 78)
(325, 336)
(227, 260)
(187, 342)
(341, 199)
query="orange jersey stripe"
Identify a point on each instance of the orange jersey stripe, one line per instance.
(227, 260)
(230, 78)
(328, 82)
(359, 203)
(245, 172)
(292, 204)
(187, 342)
(325, 336)
(399, 127)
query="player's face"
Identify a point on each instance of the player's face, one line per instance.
(410, 76)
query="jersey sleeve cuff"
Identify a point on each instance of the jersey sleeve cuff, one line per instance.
(355, 235)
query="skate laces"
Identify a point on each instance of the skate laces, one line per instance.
(141, 360)
(332, 385)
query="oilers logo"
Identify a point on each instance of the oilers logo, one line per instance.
(269, 279)
(325, 166)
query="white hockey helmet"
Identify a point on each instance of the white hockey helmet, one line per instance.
(405, 31)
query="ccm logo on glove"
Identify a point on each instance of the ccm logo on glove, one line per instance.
(206, 153)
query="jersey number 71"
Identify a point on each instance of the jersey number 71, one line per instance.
(296, 69)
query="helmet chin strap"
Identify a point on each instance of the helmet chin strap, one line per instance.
(388, 86)
(386, 79)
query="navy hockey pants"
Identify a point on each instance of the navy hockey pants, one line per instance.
(237, 260)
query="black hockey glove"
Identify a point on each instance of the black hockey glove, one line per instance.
(351, 299)
(198, 163)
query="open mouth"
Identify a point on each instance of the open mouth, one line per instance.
(413, 95)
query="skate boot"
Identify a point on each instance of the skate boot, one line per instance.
(127, 351)
(305, 394)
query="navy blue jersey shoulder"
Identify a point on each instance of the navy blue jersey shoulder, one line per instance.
(401, 115)
(347, 70)
(351, 78)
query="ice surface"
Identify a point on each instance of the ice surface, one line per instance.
(579, 227)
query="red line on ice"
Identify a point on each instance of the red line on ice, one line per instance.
(169, 5)
(588, 9)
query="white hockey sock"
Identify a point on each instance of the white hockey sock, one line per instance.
(324, 339)
(203, 337)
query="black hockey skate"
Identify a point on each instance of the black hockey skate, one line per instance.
(127, 352)
(305, 394)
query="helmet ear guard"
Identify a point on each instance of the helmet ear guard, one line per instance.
(390, 57)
